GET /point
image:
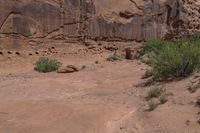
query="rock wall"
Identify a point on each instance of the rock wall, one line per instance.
(122, 20)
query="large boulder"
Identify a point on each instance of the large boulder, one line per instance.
(122, 20)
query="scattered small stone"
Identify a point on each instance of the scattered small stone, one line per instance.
(83, 67)
(198, 101)
(52, 47)
(123, 128)
(188, 122)
(198, 121)
(9, 52)
(17, 53)
(1, 53)
(91, 47)
(111, 48)
(96, 62)
(36, 52)
(50, 50)
(99, 44)
(30, 54)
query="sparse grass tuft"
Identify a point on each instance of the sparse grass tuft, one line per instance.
(163, 99)
(147, 74)
(46, 65)
(155, 92)
(194, 86)
(152, 106)
(114, 57)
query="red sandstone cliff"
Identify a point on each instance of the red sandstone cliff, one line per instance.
(126, 20)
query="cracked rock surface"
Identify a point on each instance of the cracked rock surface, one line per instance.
(22, 21)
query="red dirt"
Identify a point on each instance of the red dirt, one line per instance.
(102, 98)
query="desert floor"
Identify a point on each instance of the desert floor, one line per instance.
(102, 98)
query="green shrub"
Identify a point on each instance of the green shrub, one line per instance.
(195, 39)
(154, 46)
(46, 65)
(176, 61)
(173, 59)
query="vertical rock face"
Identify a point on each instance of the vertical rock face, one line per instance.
(127, 20)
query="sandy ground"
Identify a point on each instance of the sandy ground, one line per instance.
(102, 98)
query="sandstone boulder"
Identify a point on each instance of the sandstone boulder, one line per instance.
(130, 53)
(68, 69)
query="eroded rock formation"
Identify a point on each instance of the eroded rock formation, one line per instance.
(124, 20)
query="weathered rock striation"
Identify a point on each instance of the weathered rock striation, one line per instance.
(122, 20)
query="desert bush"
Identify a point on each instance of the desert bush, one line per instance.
(154, 46)
(194, 39)
(173, 59)
(46, 65)
(176, 61)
